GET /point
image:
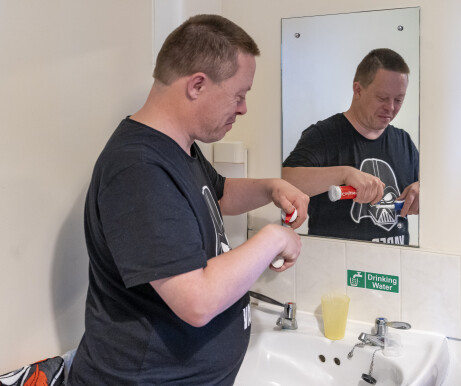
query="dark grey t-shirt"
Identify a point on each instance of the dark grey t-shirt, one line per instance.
(392, 157)
(152, 212)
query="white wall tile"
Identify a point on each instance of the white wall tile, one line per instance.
(277, 285)
(368, 304)
(431, 291)
(320, 269)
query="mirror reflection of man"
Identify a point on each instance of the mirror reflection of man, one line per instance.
(360, 148)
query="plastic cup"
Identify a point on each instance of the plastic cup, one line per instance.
(334, 310)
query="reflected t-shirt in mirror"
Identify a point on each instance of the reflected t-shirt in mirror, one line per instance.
(392, 157)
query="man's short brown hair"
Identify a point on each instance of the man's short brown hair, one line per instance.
(383, 58)
(203, 43)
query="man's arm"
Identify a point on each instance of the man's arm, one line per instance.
(244, 194)
(198, 296)
(317, 180)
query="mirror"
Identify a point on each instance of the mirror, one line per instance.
(319, 57)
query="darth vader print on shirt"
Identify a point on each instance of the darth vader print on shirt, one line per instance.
(384, 218)
(222, 243)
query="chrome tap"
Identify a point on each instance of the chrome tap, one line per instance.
(287, 318)
(381, 325)
(376, 339)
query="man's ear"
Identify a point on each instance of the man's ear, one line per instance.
(196, 85)
(357, 89)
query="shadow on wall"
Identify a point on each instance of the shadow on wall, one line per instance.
(70, 278)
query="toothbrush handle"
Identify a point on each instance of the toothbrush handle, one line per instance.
(398, 205)
(278, 262)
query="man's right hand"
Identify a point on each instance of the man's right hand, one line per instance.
(291, 248)
(370, 189)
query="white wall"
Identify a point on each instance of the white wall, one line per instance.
(440, 100)
(69, 72)
(169, 14)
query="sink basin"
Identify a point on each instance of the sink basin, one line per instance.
(304, 356)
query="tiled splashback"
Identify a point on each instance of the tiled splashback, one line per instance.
(429, 284)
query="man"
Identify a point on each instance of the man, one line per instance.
(361, 149)
(165, 304)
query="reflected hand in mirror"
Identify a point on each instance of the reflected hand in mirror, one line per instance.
(411, 197)
(362, 149)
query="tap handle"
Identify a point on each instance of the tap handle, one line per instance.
(265, 298)
(381, 325)
(399, 325)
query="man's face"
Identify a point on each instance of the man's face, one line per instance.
(226, 100)
(378, 104)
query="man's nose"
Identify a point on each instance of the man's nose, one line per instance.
(389, 105)
(241, 107)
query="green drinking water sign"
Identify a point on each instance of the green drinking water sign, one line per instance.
(370, 280)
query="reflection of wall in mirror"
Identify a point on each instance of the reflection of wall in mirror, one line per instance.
(319, 57)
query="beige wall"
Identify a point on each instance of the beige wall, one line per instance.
(440, 137)
(69, 72)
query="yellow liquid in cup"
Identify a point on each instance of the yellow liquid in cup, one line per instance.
(334, 309)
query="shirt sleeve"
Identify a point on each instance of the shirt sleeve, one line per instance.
(149, 226)
(309, 151)
(217, 180)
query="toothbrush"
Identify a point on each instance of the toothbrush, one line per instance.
(396, 205)
(287, 219)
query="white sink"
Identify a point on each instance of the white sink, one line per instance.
(305, 357)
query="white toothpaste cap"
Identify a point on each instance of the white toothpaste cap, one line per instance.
(334, 193)
(278, 262)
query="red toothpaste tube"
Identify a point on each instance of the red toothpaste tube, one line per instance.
(336, 193)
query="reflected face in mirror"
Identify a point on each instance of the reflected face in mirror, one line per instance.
(376, 105)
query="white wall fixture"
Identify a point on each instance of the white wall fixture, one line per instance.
(230, 160)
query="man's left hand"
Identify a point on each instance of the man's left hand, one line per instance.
(287, 197)
(411, 197)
